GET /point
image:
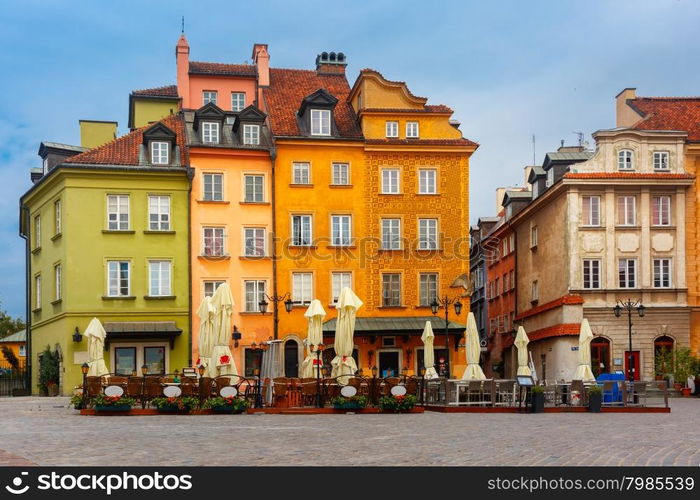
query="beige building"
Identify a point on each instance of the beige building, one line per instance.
(603, 227)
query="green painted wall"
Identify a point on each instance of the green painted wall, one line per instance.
(96, 133)
(83, 249)
(148, 111)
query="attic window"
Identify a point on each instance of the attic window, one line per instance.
(210, 132)
(251, 134)
(160, 153)
(624, 160)
(412, 130)
(550, 177)
(320, 122)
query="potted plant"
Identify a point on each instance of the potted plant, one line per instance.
(663, 364)
(351, 403)
(682, 366)
(595, 398)
(113, 403)
(178, 404)
(48, 372)
(397, 404)
(77, 401)
(231, 404)
(537, 399)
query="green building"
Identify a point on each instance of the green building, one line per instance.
(107, 237)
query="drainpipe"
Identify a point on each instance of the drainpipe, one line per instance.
(190, 176)
(23, 233)
(273, 204)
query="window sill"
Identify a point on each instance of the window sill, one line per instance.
(253, 202)
(36, 250)
(391, 250)
(214, 202)
(150, 231)
(391, 194)
(301, 305)
(627, 227)
(251, 313)
(291, 184)
(36, 310)
(429, 250)
(669, 226)
(119, 297)
(56, 236)
(392, 307)
(534, 301)
(254, 257)
(533, 247)
(214, 257)
(159, 297)
(340, 247)
(118, 231)
(427, 194)
(56, 302)
(302, 247)
(340, 186)
(591, 228)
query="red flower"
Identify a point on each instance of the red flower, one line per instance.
(224, 359)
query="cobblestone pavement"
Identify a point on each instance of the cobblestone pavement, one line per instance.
(44, 431)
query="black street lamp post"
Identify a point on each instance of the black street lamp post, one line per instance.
(85, 368)
(276, 299)
(446, 302)
(628, 306)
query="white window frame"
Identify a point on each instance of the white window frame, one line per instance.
(160, 276)
(37, 291)
(216, 232)
(321, 122)
(210, 132)
(341, 230)
(425, 298)
(392, 129)
(301, 173)
(625, 160)
(391, 180)
(339, 280)
(391, 233)
(159, 206)
(662, 273)
(662, 205)
(591, 274)
(254, 191)
(214, 285)
(235, 104)
(213, 177)
(57, 216)
(58, 279)
(591, 214)
(251, 134)
(160, 152)
(256, 235)
(626, 209)
(428, 234)
(305, 232)
(118, 217)
(393, 292)
(258, 288)
(535, 291)
(412, 130)
(209, 96)
(302, 288)
(661, 161)
(118, 284)
(427, 181)
(340, 174)
(627, 279)
(550, 177)
(37, 232)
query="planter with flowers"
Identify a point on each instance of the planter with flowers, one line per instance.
(179, 404)
(113, 403)
(231, 404)
(397, 404)
(350, 403)
(77, 401)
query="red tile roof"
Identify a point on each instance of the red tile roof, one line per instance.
(569, 299)
(124, 150)
(626, 175)
(424, 142)
(167, 91)
(560, 330)
(669, 113)
(287, 89)
(221, 69)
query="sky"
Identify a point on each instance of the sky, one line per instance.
(509, 69)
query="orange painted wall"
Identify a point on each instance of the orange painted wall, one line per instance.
(14, 346)
(692, 219)
(223, 85)
(234, 215)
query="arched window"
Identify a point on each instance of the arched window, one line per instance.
(291, 358)
(600, 356)
(663, 356)
(624, 159)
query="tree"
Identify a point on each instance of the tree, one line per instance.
(10, 357)
(9, 325)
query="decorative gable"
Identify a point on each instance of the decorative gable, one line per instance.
(320, 99)
(158, 132)
(251, 114)
(210, 112)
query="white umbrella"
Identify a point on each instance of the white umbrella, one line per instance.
(206, 331)
(96, 335)
(583, 372)
(473, 370)
(344, 363)
(314, 336)
(428, 338)
(222, 362)
(521, 342)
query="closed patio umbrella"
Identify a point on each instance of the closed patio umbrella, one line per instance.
(206, 331)
(96, 335)
(271, 367)
(473, 370)
(521, 342)
(344, 363)
(314, 336)
(222, 362)
(583, 372)
(428, 338)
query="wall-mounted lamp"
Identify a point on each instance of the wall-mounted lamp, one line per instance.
(236, 336)
(77, 336)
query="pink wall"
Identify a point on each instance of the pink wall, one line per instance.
(224, 85)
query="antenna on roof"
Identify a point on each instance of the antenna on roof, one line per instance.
(580, 138)
(534, 150)
(183, 25)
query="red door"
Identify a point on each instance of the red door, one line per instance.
(635, 364)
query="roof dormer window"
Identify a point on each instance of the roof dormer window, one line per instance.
(210, 132)
(320, 122)
(625, 160)
(251, 134)
(550, 177)
(661, 160)
(160, 152)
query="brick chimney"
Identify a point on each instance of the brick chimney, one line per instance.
(625, 116)
(261, 58)
(331, 63)
(182, 58)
